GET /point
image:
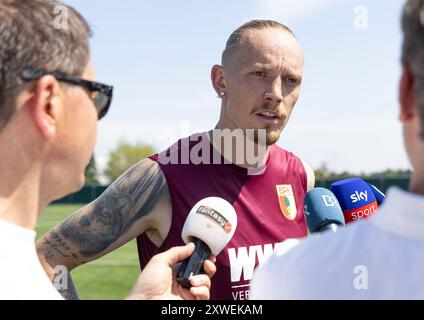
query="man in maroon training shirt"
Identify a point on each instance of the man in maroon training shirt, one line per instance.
(258, 83)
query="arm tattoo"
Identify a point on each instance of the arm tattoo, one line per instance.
(55, 245)
(131, 197)
(58, 245)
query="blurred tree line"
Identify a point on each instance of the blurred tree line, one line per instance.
(126, 155)
(324, 173)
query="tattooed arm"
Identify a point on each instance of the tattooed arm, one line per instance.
(136, 202)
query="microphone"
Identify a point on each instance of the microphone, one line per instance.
(210, 225)
(379, 196)
(322, 211)
(356, 198)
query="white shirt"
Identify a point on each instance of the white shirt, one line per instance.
(21, 275)
(378, 258)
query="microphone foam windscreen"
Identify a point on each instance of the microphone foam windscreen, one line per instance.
(355, 197)
(379, 196)
(212, 220)
(321, 208)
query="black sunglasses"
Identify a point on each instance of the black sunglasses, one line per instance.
(101, 94)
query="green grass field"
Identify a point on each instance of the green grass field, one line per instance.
(111, 277)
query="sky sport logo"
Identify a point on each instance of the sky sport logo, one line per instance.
(215, 215)
(361, 213)
(359, 196)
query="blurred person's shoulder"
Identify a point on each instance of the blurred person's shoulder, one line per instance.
(316, 267)
(21, 274)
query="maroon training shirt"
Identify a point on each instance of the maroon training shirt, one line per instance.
(269, 209)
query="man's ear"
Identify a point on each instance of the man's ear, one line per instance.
(45, 104)
(218, 80)
(406, 95)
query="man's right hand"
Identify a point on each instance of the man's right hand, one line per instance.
(158, 279)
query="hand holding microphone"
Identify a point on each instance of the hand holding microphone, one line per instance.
(210, 225)
(157, 281)
(208, 229)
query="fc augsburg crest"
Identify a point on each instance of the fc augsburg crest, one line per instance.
(287, 201)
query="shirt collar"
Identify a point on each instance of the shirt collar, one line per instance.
(402, 213)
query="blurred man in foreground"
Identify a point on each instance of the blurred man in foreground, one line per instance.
(49, 107)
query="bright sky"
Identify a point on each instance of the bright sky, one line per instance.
(158, 55)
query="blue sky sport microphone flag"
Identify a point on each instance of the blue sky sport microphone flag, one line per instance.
(379, 196)
(356, 198)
